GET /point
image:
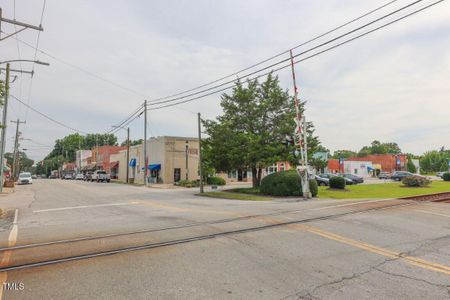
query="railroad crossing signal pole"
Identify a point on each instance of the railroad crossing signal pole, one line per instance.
(300, 138)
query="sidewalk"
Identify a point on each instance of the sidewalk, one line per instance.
(7, 191)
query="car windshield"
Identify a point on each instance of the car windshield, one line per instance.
(24, 175)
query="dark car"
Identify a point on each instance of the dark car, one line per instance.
(384, 175)
(399, 175)
(88, 176)
(328, 175)
(354, 178)
(322, 181)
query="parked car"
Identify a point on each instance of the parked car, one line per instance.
(53, 176)
(79, 176)
(34, 177)
(88, 176)
(68, 176)
(329, 175)
(356, 179)
(399, 175)
(322, 181)
(384, 175)
(441, 174)
(25, 178)
(100, 176)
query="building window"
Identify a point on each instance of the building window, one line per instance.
(356, 171)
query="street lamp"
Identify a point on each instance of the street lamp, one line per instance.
(128, 148)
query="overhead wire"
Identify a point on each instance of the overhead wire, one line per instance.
(30, 87)
(279, 54)
(46, 116)
(303, 59)
(288, 59)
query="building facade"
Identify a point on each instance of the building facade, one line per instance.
(169, 160)
(101, 157)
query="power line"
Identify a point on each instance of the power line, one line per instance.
(30, 87)
(217, 80)
(300, 60)
(279, 54)
(287, 59)
(47, 116)
(132, 116)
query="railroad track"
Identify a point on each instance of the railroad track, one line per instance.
(39, 261)
(437, 197)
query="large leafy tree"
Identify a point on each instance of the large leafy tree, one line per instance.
(24, 164)
(250, 133)
(344, 154)
(435, 161)
(132, 142)
(376, 147)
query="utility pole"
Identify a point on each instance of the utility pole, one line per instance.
(145, 142)
(21, 24)
(300, 138)
(200, 163)
(3, 141)
(128, 153)
(16, 149)
(187, 164)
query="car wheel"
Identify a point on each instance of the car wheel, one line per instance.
(108, 180)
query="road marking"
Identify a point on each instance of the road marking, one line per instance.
(12, 240)
(350, 204)
(432, 213)
(86, 206)
(375, 249)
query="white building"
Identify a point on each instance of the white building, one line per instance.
(82, 157)
(358, 168)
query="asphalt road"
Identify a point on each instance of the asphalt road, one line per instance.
(284, 249)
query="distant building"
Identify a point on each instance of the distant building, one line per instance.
(384, 162)
(359, 168)
(167, 157)
(101, 157)
(83, 158)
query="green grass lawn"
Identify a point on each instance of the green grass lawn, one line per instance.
(383, 190)
(234, 196)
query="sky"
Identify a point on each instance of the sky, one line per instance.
(107, 57)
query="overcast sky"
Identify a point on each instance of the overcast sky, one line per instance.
(392, 85)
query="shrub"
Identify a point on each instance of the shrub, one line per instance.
(446, 176)
(416, 181)
(314, 187)
(189, 183)
(286, 183)
(215, 180)
(337, 182)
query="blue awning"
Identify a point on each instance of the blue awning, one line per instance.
(132, 163)
(370, 169)
(154, 167)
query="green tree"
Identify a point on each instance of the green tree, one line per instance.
(256, 119)
(376, 147)
(318, 164)
(435, 161)
(410, 165)
(132, 142)
(24, 164)
(344, 154)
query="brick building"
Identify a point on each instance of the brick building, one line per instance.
(101, 156)
(385, 162)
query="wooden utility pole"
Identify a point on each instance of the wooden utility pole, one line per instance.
(16, 157)
(145, 142)
(4, 121)
(200, 163)
(128, 153)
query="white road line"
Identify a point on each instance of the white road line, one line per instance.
(85, 206)
(432, 213)
(12, 240)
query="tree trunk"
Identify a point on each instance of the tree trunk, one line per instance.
(254, 177)
(259, 176)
